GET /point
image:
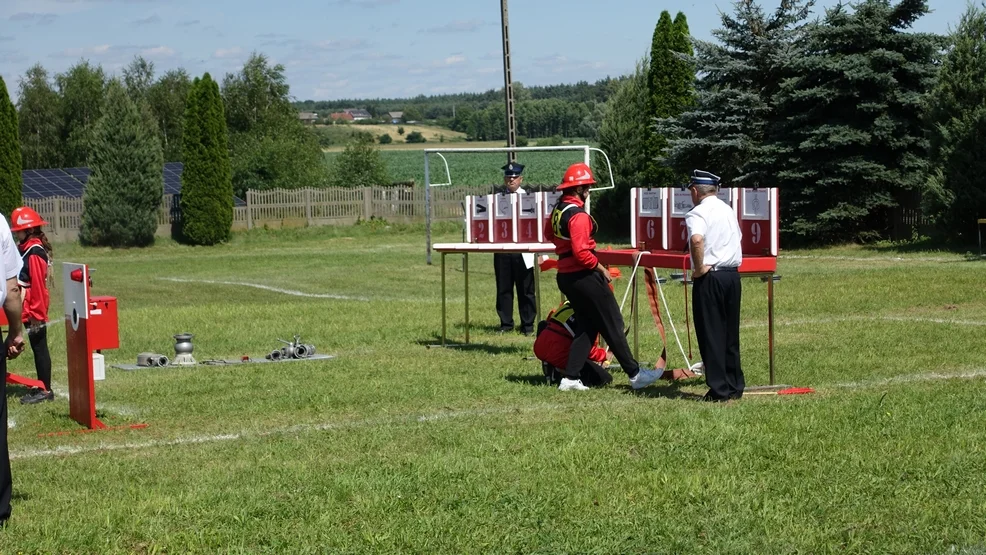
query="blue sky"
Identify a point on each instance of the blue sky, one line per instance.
(359, 48)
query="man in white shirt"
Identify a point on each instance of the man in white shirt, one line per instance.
(514, 270)
(10, 297)
(714, 243)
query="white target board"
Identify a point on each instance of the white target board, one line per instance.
(648, 213)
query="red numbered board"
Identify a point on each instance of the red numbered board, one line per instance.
(648, 212)
(478, 218)
(528, 218)
(681, 203)
(758, 212)
(503, 218)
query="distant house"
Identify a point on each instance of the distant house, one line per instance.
(308, 118)
(344, 116)
(357, 114)
(395, 117)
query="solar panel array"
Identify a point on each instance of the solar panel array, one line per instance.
(71, 182)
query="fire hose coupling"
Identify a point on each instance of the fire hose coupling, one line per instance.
(292, 349)
(152, 360)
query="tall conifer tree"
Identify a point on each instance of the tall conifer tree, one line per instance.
(670, 83)
(11, 185)
(123, 195)
(957, 114)
(37, 116)
(852, 144)
(207, 186)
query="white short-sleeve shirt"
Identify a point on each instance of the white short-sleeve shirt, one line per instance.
(10, 258)
(716, 222)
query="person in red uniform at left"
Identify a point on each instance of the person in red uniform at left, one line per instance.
(585, 282)
(36, 254)
(554, 345)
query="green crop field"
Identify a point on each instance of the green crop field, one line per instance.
(477, 169)
(393, 447)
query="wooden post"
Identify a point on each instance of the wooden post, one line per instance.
(308, 206)
(58, 216)
(249, 208)
(367, 203)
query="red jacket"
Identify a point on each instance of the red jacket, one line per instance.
(32, 279)
(554, 344)
(577, 252)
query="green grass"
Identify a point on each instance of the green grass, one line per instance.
(394, 447)
(476, 169)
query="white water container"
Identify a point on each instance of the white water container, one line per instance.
(98, 367)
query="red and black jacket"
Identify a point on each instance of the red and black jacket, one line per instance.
(571, 229)
(32, 279)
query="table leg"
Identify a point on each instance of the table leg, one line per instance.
(636, 318)
(537, 291)
(770, 324)
(465, 272)
(443, 298)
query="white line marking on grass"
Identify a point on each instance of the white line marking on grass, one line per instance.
(268, 288)
(304, 428)
(427, 418)
(870, 258)
(841, 319)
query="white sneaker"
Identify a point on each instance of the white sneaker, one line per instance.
(571, 385)
(645, 377)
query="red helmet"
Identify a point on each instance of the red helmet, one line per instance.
(576, 176)
(25, 218)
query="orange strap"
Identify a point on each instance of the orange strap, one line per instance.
(650, 280)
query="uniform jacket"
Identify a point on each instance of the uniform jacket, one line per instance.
(33, 278)
(576, 252)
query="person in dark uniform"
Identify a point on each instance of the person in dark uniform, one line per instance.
(585, 282)
(714, 242)
(514, 270)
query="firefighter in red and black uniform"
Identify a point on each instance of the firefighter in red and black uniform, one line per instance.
(36, 253)
(585, 282)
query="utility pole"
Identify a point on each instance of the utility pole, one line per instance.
(508, 88)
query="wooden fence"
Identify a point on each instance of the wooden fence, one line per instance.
(287, 208)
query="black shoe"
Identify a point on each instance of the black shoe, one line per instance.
(37, 396)
(527, 332)
(711, 398)
(506, 329)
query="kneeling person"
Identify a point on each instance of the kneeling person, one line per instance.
(568, 355)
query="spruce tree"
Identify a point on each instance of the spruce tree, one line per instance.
(123, 195)
(957, 117)
(206, 181)
(10, 155)
(852, 144)
(670, 81)
(726, 130)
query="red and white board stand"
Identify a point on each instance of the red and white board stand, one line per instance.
(530, 228)
(504, 218)
(759, 218)
(479, 218)
(649, 212)
(681, 204)
(81, 387)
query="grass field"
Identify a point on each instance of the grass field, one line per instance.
(475, 169)
(393, 447)
(433, 133)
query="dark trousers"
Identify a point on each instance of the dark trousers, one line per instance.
(6, 484)
(716, 307)
(597, 312)
(510, 271)
(42, 358)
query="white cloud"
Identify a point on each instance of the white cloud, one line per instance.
(228, 52)
(151, 20)
(457, 27)
(187, 23)
(158, 52)
(455, 59)
(81, 52)
(34, 17)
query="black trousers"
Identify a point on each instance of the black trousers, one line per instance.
(6, 484)
(597, 311)
(716, 300)
(42, 358)
(510, 271)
